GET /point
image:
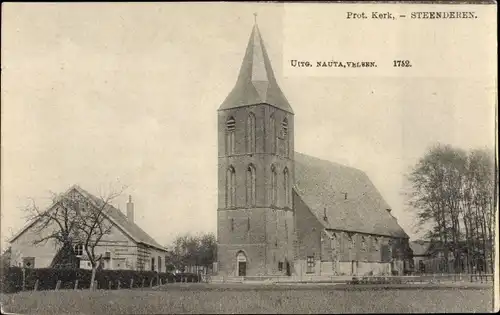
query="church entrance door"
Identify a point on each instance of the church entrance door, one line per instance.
(242, 268)
(241, 262)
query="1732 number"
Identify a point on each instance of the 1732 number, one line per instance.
(402, 63)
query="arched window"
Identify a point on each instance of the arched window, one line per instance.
(284, 134)
(272, 127)
(78, 249)
(375, 243)
(351, 240)
(250, 185)
(230, 128)
(286, 230)
(286, 184)
(274, 186)
(251, 133)
(230, 187)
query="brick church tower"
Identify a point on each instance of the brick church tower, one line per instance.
(255, 214)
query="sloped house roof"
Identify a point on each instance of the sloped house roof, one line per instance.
(420, 248)
(116, 217)
(351, 201)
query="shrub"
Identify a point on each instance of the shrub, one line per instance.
(11, 279)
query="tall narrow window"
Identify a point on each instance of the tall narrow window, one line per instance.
(251, 133)
(284, 134)
(286, 231)
(272, 127)
(248, 224)
(286, 184)
(230, 128)
(251, 185)
(274, 186)
(232, 224)
(230, 187)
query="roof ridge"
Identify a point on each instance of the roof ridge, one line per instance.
(324, 160)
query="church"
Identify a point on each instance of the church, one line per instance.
(281, 212)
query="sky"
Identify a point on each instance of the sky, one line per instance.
(106, 95)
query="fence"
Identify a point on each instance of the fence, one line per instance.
(422, 278)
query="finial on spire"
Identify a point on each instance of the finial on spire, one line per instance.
(255, 17)
(129, 198)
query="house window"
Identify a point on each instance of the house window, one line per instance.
(159, 264)
(78, 249)
(310, 264)
(29, 262)
(248, 224)
(230, 129)
(152, 263)
(232, 224)
(251, 133)
(230, 187)
(280, 266)
(251, 185)
(363, 243)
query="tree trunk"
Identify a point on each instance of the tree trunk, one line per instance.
(92, 278)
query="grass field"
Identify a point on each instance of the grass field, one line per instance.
(203, 298)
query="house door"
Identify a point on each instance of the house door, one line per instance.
(241, 261)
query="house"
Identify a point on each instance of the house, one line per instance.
(421, 255)
(126, 246)
(281, 212)
(429, 257)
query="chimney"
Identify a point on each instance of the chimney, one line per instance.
(345, 196)
(130, 209)
(324, 215)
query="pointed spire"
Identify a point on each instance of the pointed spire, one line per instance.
(256, 82)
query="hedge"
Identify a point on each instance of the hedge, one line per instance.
(11, 278)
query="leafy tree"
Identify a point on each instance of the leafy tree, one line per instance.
(453, 196)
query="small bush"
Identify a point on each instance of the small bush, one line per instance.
(11, 279)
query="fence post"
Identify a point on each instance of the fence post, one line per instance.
(151, 283)
(36, 285)
(24, 278)
(160, 281)
(58, 284)
(96, 285)
(131, 283)
(143, 282)
(118, 284)
(76, 284)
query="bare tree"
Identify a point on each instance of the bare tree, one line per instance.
(75, 217)
(57, 224)
(92, 225)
